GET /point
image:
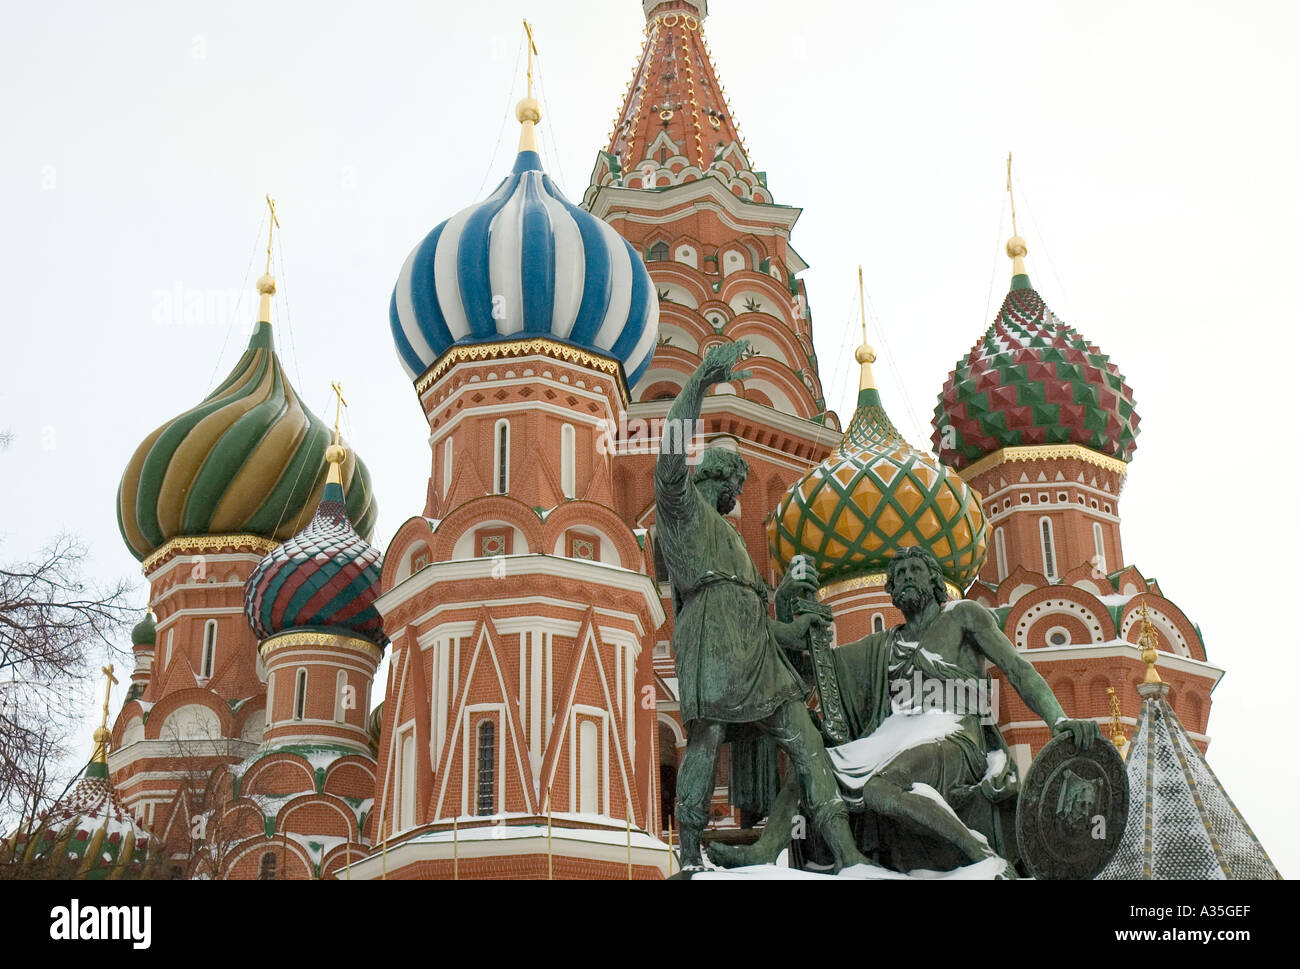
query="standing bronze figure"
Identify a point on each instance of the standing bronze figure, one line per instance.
(731, 668)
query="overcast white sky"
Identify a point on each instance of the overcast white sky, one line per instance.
(1155, 147)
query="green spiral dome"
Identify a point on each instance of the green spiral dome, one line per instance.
(249, 459)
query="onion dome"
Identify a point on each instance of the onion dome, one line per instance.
(875, 495)
(326, 577)
(144, 632)
(526, 263)
(249, 459)
(88, 833)
(1030, 380)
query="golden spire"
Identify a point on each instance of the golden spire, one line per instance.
(1147, 640)
(1016, 246)
(266, 285)
(1116, 728)
(102, 734)
(529, 110)
(336, 453)
(864, 354)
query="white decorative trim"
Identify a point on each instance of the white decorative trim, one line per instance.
(532, 563)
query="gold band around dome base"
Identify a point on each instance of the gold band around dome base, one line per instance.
(1045, 452)
(293, 638)
(206, 543)
(873, 580)
(519, 348)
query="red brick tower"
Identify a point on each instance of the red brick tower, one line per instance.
(1042, 424)
(677, 182)
(203, 498)
(517, 740)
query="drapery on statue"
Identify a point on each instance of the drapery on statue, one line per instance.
(731, 669)
(916, 767)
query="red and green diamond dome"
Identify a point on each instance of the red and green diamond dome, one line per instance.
(324, 578)
(1032, 379)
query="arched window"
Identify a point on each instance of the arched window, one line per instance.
(658, 252)
(501, 458)
(877, 623)
(167, 657)
(486, 773)
(340, 696)
(1099, 543)
(209, 649)
(266, 870)
(300, 695)
(1000, 546)
(567, 460)
(446, 465)
(270, 699)
(1049, 548)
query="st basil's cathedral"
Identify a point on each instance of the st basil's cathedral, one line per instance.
(530, 724)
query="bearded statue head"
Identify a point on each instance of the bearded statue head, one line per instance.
(906, 595)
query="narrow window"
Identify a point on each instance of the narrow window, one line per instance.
(446, 466)
(486, 773)
(588, 768)
(1049, 549)
(567, 447)
(340, 693)
(167, 659)
(502, 469)
(1100, 544)
(209, 648)
(300, 695)
(270, 699)
(266, 870)
(877, 623)
(406, 790)
(1000, 546)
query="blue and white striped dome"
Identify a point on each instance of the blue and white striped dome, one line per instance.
(526, 262)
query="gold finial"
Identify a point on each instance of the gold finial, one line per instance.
(864, 354)
(1017, 248)
(1148, 640)
(336, 453)
(1116, 728)
(102, 733)
(529, 110)
(266, 285)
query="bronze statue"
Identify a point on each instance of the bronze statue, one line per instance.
(731, 668)
(933, 777)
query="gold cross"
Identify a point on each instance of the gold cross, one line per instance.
(108, 687)
(338, 405)
(1012, 196)
(270, 232)
(532, 49)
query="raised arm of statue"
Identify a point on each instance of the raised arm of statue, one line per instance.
(670, 468)
(982, 627)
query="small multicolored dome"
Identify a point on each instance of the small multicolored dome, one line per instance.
(89, 834)
(525, 263)
(145, 631)
(326, 577)
(248, 460)
(875, 495)
(1032, 379)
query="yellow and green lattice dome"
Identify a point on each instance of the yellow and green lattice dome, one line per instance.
(874, 495)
